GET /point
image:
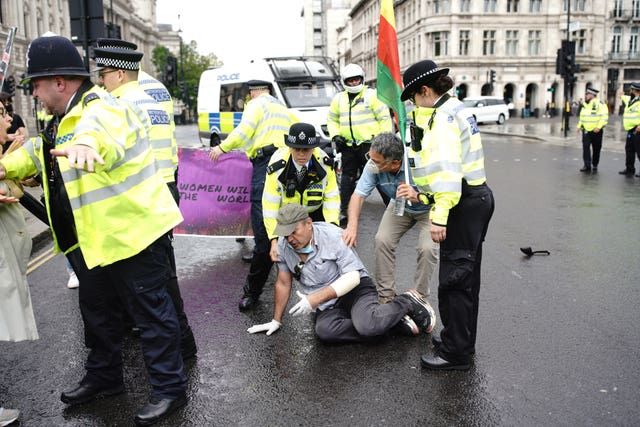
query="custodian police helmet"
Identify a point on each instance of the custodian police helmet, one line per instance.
(53, 56)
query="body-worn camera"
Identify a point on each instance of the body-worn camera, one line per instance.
(417, 133)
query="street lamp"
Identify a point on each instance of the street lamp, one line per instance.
(182, 82)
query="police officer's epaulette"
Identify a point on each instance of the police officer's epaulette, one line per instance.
(276, 166)
(328, 161)
(90, 97)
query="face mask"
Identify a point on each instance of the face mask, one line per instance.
(306, 250)
(372, 167)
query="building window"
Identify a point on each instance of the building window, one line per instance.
(581, 41)
(633, 43)
(512, 43)
(635, 8)
(578, 5)
(534, 5)
(489, 6)
(440, 43)
(512, 6)
(464, 43)
(534, 43)
(617, 9)
(489, 42)
(615, 42)
(465, 6)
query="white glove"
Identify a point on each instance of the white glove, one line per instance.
(270, 327)
(302, 307)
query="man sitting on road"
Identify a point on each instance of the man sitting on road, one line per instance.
(385, 171)
(336, 285)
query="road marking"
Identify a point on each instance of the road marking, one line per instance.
(33, 264)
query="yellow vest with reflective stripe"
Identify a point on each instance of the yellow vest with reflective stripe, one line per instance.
(265, 121)
(359, 120)
(122, 207)
(631, 115)
(451, 151)
(156, 90)
(593, 114)
(319, 194)
(157, 122)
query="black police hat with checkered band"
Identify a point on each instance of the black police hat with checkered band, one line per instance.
(122, 59)
(302, 135)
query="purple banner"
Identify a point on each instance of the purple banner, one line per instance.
(214, 196)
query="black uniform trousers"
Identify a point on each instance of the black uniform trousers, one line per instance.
(261, 262)
(632, 149)
(140, 283)
(460, 259)
(591, 141)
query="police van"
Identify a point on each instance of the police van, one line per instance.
(305, 84)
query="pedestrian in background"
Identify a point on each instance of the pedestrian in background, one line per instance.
(631, 123)
(356, 115)
(96, 143)
(594, 116)
(300, 172)
(447, 162)
(17, 322)
(18, 129)
(259, 134)
(385, 170)
(336, 286)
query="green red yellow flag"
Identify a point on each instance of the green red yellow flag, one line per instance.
(389, 84)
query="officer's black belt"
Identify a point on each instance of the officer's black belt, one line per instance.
(354, 145)
(265, 151)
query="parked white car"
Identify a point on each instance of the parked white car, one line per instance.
(487, 109)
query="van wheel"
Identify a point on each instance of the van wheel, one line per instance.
(500, 119)
(215, 140)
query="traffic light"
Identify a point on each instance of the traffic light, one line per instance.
(27, 88)
(9, 85)
(171, 71)
(551, 89)
(492, 77)
(566, 60)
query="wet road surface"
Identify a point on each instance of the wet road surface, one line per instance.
(558, 342)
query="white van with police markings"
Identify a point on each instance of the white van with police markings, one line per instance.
(305, 84)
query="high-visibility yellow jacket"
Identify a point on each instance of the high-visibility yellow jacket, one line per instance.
(122, 207)
(157, 122)
(159, 92)
(359, 120)
(318, 190)
(265, 121)
(631, 114)
(593, 114)
(451, 151)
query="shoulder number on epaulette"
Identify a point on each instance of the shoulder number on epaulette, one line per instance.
(90, 97)
(328, 161)
(276, 166)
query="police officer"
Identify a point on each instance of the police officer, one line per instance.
(594, 116)
(156, 90)
(118, 72)
(261, 131)
(302, 173)
(356, 115)
(93, 146)
(631, 123)
(447, 165)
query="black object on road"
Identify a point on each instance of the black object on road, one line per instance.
(530, 252)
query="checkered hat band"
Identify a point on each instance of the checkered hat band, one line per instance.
(435, 70)
(117, 63)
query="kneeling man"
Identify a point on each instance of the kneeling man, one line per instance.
(336, 285)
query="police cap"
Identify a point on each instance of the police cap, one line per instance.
(635, 86)
(258, 84)
(115, 43)
(302, 135)
(418, 75)
(122, 59)
(53, 56)
(592, 91)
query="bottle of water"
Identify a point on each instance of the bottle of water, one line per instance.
(398, 207)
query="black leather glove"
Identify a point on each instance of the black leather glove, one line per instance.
(339, 142)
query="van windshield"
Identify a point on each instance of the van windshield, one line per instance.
(308, 93)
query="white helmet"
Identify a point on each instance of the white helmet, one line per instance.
(350, 71)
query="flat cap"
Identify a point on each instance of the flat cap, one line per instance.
(288, 217)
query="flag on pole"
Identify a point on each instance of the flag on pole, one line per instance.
(6, 55)
(389, 78)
